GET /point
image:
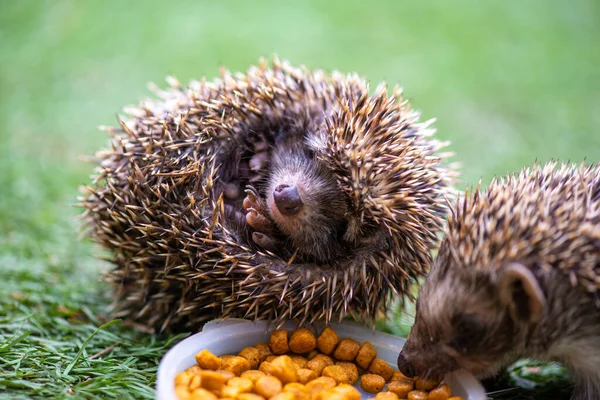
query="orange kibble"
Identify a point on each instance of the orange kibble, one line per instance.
(319, 362)
(263, 351)
(417, 395)
(337, 373)
(270, 358)
(252, 355)
(401, 387)
(327, 341)
(207, 360)
(244, 384)
(284, 396)
(235, 364)
(212, 380)
(365, 355)
(252, 374)
(380, 367)
(455, 398)
(250, 396)
(386, 396)
(425, 384)
(302, 341)
(346, 350)
(299, 361)
(182, 393)
(226, 374)
(398, 376)
(372, 383)
(349, 392)
(183, 378)
(350, 370)
(203, 394)
(319, 384)
(306, 375)
(267, 386)
(284, 368)
(441, 392)
(265, 367)
(279, 342)
(194, 382)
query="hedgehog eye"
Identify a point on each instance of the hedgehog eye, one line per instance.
(468, 331)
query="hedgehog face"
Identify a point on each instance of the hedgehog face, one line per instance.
(304, 201)
(469, 319)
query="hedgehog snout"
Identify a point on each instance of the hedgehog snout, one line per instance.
(405, 366)
(287, 199)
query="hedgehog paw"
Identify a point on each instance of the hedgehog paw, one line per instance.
(258, 219)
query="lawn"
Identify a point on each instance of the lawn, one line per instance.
(509, 82)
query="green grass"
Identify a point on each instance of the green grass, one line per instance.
(509, 83)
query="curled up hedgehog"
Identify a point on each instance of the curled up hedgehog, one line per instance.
(276, 194)
(517, 276)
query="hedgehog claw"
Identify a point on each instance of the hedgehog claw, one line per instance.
(258, 221)
(264, 241)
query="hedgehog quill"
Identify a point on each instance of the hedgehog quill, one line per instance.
(517, 276)
(277, 194)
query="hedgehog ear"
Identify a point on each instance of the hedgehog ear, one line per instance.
(520, 291)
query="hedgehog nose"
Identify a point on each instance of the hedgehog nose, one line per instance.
(287, 199)
(405, 366)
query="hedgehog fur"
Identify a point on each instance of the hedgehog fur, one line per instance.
(181, 200)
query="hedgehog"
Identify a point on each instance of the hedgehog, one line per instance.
(517, 275)
(277, 194)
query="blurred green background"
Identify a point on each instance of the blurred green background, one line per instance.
(509, 82)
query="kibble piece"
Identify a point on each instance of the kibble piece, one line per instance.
(320, 384)
(284, 396)
(207, 360)
(306, 375)
(212, 380)
(182, 393)
(365, 355)
(302, 341)
(346, 350)
(441, 392)
(284, 368)
(312, 354)
(327, 341)
(267, 386)
(417, 395)
(299, 361)
(203, 394)
(244, 384)
(455, 398)
(337, 373)
(279, 342)
(265, 367)
(425, 384)
(253, 375)
(194, 382)
(270, 358)
(230, 392)
(263, 350)
(399, 376)
(235, 364)
(183, 378)
(298, 389)
(250, 396)
(386, 396)
(226, 374)
(194, 369)
(372, 383)
(350, 369)
(252, 355)
(401, 387)
(380, 367)
(319, 362)
(349, 392)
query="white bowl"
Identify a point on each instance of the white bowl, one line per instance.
(232, 335)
